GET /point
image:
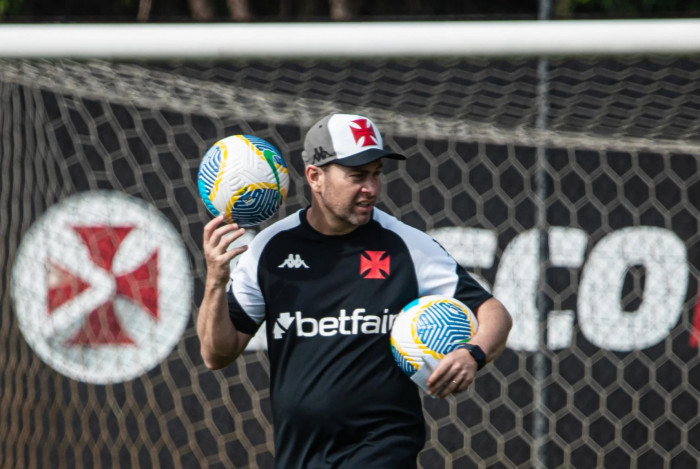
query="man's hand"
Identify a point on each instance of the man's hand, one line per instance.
(455, 373)
(217, 238)
(457, 369)
(220, 342)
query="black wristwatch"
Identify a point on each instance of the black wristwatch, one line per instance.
(476, 352)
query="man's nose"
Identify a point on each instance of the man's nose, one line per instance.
(371, 186)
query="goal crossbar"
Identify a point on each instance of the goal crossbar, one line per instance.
(351, 40)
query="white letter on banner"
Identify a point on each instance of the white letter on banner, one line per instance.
(470, 247)
(567, 248)
(516, 286)
(517, 280)
(601, 317)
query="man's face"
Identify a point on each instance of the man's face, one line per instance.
(347, 194)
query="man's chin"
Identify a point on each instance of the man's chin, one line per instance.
(358, 219)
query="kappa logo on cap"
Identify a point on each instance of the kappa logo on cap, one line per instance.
(320, 154)
(363, 133)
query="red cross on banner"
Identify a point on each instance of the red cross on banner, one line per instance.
(101, 326)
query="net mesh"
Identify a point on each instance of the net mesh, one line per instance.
(540, 176)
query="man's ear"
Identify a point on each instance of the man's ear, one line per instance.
(314, 176)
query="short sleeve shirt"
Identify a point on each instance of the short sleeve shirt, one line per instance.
(328, 302)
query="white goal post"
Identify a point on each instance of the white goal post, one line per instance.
(346, 40)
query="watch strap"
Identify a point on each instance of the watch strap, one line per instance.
(477, 353)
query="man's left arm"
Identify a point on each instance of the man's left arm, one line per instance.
(457, 369)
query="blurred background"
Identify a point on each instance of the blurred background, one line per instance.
(341, 10)
(567, 184)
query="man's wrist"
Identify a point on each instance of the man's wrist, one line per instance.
(477, 354)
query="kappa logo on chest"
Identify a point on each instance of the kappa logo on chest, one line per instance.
(293, 261)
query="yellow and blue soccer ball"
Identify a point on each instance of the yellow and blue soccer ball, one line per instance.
(244, 178)
(429, 328)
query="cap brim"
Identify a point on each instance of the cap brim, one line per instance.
(367, 156)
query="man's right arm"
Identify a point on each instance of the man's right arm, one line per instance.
(220, 342)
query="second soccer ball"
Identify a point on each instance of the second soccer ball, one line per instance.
(429, 328)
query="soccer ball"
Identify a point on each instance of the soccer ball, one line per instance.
(429, 328)
(244, 178)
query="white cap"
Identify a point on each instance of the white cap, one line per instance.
(345, 139)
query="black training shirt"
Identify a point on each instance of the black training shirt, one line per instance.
(338, 398)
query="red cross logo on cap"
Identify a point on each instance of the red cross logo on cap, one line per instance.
(363, 133)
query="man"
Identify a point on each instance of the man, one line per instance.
(327, 280)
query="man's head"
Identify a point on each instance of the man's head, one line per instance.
(344, 139)
(342, 154)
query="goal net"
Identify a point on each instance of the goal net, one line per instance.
(569, 186)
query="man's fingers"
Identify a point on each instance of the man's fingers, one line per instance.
(223, 232)
(448, 389)
(211, 226)
(440, 378)
(454, 380)
(214, 233)
(231, 253)
(219, 251)
(452, 375)
(455, 385)
(449, 385)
